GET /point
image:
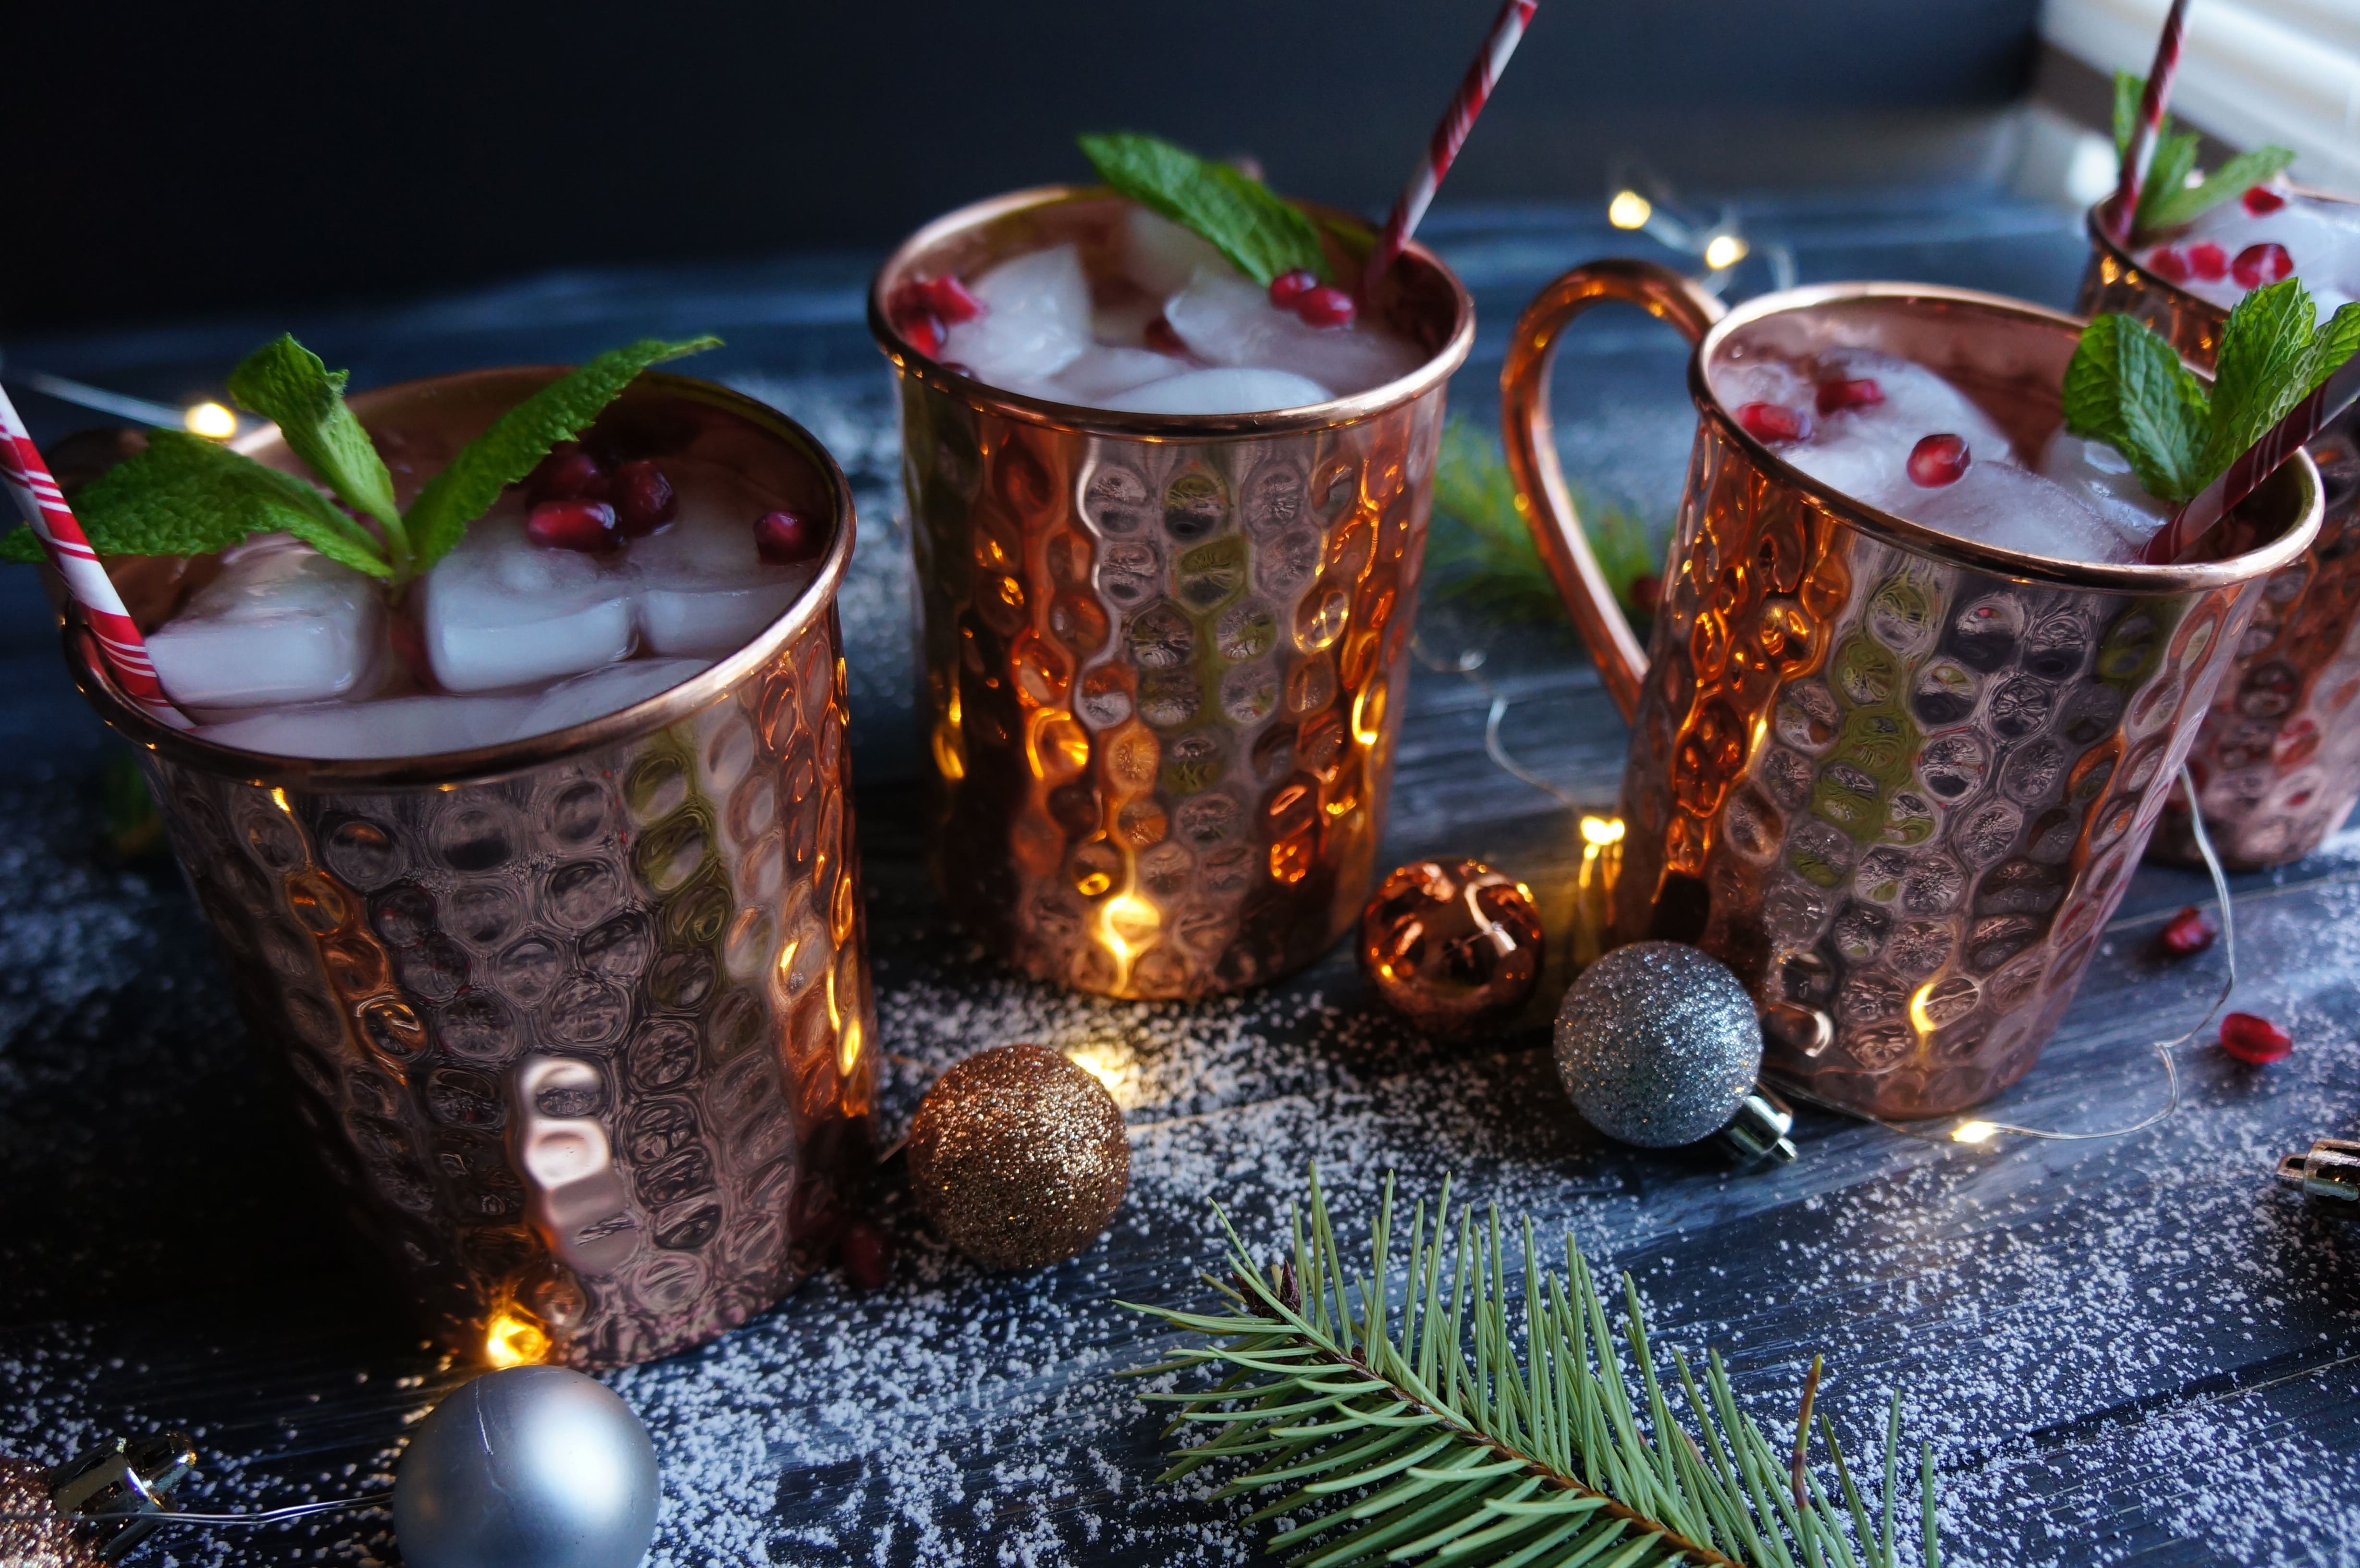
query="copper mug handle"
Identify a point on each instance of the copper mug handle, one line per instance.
(1524, 426)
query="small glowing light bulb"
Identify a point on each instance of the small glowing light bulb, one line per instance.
(1973, 1132)
(1629, 210)
(1601, 830)
(210, 420)
(1723, 251)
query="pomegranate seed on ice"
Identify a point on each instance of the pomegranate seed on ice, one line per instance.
(1289, 287)
(2255, 1040)
(2261, 201)
(783, 539)
(2168, 264)
(923, 329)
(1939, 460)
(2208, 261)
(569, 474)
(1835, 396)
(2191, 930)
(1772, 422)
(1326, 306)
(2258, 266)
(574, 525)
(867, 1256)
(643, 497)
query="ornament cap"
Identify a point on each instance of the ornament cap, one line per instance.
(2329, 1175)
(113, 1490)
(1759, 1129)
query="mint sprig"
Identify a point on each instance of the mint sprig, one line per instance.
(2166, 199)
(2126, 388)
(185, 495)
(1261, 232)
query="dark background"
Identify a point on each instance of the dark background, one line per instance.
(201, 158)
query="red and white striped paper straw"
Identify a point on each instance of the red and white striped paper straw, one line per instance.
(1449, 138)
(2141, 152)
(2261, 460)
(44, 507)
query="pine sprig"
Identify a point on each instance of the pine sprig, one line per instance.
(1430, 1429)
(1480, 553)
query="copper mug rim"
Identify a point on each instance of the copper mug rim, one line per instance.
(1918, 539)
(483, 764)
(2105, 242)
(1438, 367)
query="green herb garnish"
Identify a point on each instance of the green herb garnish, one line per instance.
(2126, 388)
(2166, 199)
(185, 496)
(1264, 234)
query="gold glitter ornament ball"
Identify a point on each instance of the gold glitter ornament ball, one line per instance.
(1019, 1157)
(40, 1542)
(1452, 945)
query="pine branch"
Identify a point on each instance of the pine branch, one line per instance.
(1428, 1428)
(1480, 553)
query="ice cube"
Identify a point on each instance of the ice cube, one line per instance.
(607, 690)
(1036, 319)
(398, 726)
(1224, 391)
(1864, 449)
(281, 624)
(1226, 319)
(1105, 370)
(2014, 508)
(1161, 256)
(703, 588)
(2103, 476)
(503, 611)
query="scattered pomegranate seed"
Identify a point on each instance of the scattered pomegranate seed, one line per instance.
(1939, 460)
(1646, 592)
(643, 497)
(783, 539)
(2261, 201)
(569, 474)
(1289, 287)
(1326, 306)
(2191, 930)
(2255, 1040)
(2208, 261)
(1839, 395)
(867, 1256)
(574, 525)
(2168, 264)
(2258, 266)
(1772, 422)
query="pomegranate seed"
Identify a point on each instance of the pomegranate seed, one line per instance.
(783, 539)
(1162, 338)
(924, 330)
(2258, 266)
(2191, 930)
(644, 500)
(950, 301)
(574, 525)
(1939, 460)
(1326, 306)
(2208, 261)
(1860, 394)
(1289, 287)
(2168, 264)
(1772, 422)
(2255, 1040)
(569, 474)
(867, 1256)
(2261, 201)
(1646, 592)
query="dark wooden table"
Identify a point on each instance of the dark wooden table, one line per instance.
(2134, 1348)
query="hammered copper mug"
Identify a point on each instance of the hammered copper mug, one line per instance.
(579, 1023)
(2277, 762)
(1161, 654)
(1890, 777)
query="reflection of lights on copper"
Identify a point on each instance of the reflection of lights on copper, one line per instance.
(1600, 832)
(1127, 924)
(950, 749)
(278, 799)
(1919, 1017)
(847, 1048)
(210, 420)
(787, 955)
(1629, 210)
(1369, 713)
(1723, 251)
(1973, 1132)
(514, 1340)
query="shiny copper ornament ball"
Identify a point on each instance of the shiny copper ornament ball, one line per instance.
(1452, 945)
(1019, 1157)
(44, 1541)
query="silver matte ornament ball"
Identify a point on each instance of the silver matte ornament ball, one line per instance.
(1658, 1043)
(531, 1467)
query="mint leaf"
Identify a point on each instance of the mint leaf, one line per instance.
(2175, 158)
(2126, 388)
(1261, 234)
(2336, 343)
(2260, 370)
(2232, 178)
(185, 495)
(519, 439)
(285, 382)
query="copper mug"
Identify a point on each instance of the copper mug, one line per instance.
(1895, 779)
(580, 1023)
(1163, 655)
(2277, 761)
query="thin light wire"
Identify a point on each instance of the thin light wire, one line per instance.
(1467, 668)
(256, 1516)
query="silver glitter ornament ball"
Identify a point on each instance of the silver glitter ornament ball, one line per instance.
(531, 1467)
(1658, 1043)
